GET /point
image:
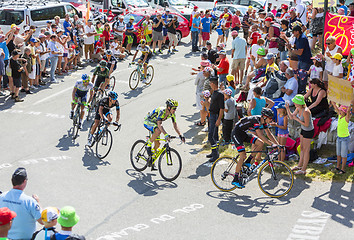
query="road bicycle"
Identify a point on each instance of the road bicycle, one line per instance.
(103, 138)
(169, 160)
(92, 108)
(112, 84)
(76, 118)
(275, 178)
(138, 75)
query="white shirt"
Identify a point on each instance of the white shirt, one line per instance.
(114, 46)
(254, 50)
(301, 10)
(89, 40)
(293, 85)
(329, 63)
(119, 26)
(315, 72)
(337, 69)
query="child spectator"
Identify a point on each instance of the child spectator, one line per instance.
(219, 30)
(337, 69)
(258, 102)
(49, 218)
(316, 70)
(16, 69)
(343, 138)
(231, 84)
(282, 126)
(67, 220)
(229, 116)
(117, 48)
(253, 53)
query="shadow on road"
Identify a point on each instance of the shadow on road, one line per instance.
(338, 203)
(144, 185)
(134, 93)
(201, 171)
(66, 141)
(91, 161)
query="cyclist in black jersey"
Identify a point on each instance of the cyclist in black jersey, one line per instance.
(103, 112)
(111, 61)
(102, 73)
(240, 135)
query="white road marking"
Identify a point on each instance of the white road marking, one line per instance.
(35, 161)
(52, 95)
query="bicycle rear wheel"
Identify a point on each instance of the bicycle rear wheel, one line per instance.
(134, 80)
(149, 74)
(275, 179)
(104, 144)
(76, 122)
(222, 173)
(170, 165)
(138, 156)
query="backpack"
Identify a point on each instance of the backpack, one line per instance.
(274, 85)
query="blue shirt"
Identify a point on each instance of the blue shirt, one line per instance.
(206, 21)
(303, 43)
(239, 45)
(196, 21)
(66, 25)
(6, 50)
(52, 47)
(27, 210)
(345, 10)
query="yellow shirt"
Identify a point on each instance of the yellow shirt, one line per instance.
(33, 52)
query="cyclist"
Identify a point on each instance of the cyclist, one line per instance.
(146, 54)
(80, 91)
(111, 61)
(102, 73)
(103, 112)
(240, 135)
(153, 123)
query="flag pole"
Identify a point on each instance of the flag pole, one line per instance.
(324, 24)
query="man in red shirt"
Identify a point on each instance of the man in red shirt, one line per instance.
(228, 23)
(223, 67)
(236, 23)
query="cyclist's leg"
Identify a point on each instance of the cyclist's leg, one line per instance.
(145, 68)
(84, 103)
(152, 127)
(73, 103)
(238, 138)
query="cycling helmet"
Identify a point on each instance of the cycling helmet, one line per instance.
(206, 93)
(103, 63)
(267, 112)
(142, 41)
(85, 77)
(113, 95)
(109, 52)
(171, 103)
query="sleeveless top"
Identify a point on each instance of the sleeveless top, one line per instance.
(324, 102)
(329, 63)
(281, 123)
(342, 128)
(260, 103)
(310, 127)
(274, 44)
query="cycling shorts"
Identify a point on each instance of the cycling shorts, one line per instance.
(105, 111)
(82, 95)
(147, 59)
(114, 67)
(98, 81)
(239, 137)
(151, 126)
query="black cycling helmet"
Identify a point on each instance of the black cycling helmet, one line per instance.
(103, 63)
(267, 112)
(143, 41)
(108, 52)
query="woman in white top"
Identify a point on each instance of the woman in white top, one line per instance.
(331, 49)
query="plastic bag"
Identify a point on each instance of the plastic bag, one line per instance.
(322, 139)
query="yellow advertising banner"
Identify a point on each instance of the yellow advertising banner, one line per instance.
(320, 3)
(340, 90)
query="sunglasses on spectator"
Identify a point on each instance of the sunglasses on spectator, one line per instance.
(328, 43)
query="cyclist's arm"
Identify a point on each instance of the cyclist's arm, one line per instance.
(111, 70)
(100, 111)
(259, 133)
(271, 136)
(93, 78)
(118, 114)
(73, 94)
(175, 126)
(91, 96)
(159, 125)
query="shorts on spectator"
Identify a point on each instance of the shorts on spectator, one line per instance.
(8, 71)
(89, 48)
(157, 36)
(96, 56)
(238, 63)
(198, 99)
(226, 32)
(17, 82)
(307, 134)
(173, 39)
(205, 36)
(65, 54)
(283, 135)
(43, 65)
(342, 146)
(32, 75)
(164, 32)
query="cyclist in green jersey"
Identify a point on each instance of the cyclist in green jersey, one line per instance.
(102, 73)
(153, 123)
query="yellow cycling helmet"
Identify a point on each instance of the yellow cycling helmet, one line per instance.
(171, 103)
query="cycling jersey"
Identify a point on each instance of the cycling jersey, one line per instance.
(158, 114)
(251, 123)
(81, 90)
(101, 74)
(144, 50)
(112, 61)
(104, 102)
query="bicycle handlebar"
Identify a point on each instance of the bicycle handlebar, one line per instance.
(118, 126)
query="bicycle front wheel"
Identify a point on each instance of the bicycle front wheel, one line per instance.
(139, 156)
(104, 144)
(149, 74)
(275, 179)
(170, 165)
(134, 80)
(112, 83)
(222, 173)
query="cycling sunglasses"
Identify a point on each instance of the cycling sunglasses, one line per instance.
(85, 81)
(174, 108)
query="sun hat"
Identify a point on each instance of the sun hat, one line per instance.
(230, 78)
(207, 69)
(205, 63)
(196, 7)
(131, 18)
(6, 215)
(250, 7)
(343, 108)
(49, 214)
(280, 106)
(222, 45)
(269, 56)
(41, 36)
(228, 91)
(299, 99)
(261, 51)
(337, 56)
(284, 6)
(68, 217)
(317, 58)
(234, 33)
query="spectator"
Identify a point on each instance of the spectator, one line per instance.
(284, 12)
(293, 18)
(316, 26)
(99, 30)
(253, 53)
(147, 25)
(318, 96)
(171, 31)
(351, 9)
(258, 102)
(43, 56)
(61, 41)
(260, 65)
(49, 218)
(89, 41)
(338, 68)
(291, 86)
(49, 26)
(157, 33)
(129, 34)
(212, 54)
(331, 49)
(34, 56)
(166, 18)
(27, 70)
(206, 27)
(301, 11)
(301, 49)
(117, 48)
(16, 69)
(316, 70)
(3, 45)
(67, 220)
(238, 54)
(303, 116)
(273, 88)
(67, 25)
(273, 35)
(27, 208)
(228, 20)
(6, 219)
(199, 82)
(246, 22)
(253, 38)
(2, 67)
(54, 52)
(282, 125)
(219, 30)
(57, 22)
(118, 28)
(229, 116)
(343, 6)
(106, 36)
(231, 84)
(223, 67)
(236, 23)
(195, 31)
(53, 29)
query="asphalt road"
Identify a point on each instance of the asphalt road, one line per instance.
(116, 202)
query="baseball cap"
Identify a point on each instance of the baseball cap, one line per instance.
(209, 43)
(195, 7)
(207, 69)
(34, 40)
(49, 214)
(19, 176)
(268, 19)
(27, 28)
(222, 52)
(317, 58)
(284, 6)
(68, 217)
(337, 56)
(41, 36)
(2, 35)
(47, 33)
(167, 10)
(230, 78)
(261, 11)
(121, 17)
(280, 105)
(269, 56)
(6, 215)
(228, 91)
(299, 99)
(49, 21)
(287, 63)
(226, 15)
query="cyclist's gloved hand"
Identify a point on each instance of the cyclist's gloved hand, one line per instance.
(115, 123)
(167, 137)
(183, 139)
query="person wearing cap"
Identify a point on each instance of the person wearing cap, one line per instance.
(246, 22)
(16, 69)
(212, 54)
(67, 220)
(196, 26)
(236, 23)
(89, 40)
(3, 45)
(293, 17)
(118, 27)
(291, 86)
(49, 218)
(206, 27)
(273, 35)
(303, 116)
(316, 70)
(223, 67)
(344, 7)
(337, 68)
(238, 54)
(271, 65)
(6, 218)
(284, 12)
(228, 20)
(43, 56)
(147, 26)
(230, 115)
(32, 75)
(282, 125)
(27, 208)
(53, 55)
(157, 25)
(166, 19)
(331, 49)
(274, 85)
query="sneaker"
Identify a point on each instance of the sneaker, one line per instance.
(28, 92)
(169, 52)
(54, 81)
(22, 90)
(143, 81)
(154, 52)
(174, 50)
(12, 95)
(71, 114)
(17, 99)
(237, 184)
(206, 129)
(89, 143)
(148, 150)
(160, 51)
(42, 83)
(153, 167)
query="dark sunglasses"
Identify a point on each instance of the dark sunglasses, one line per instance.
(328, 43)
(174, 108)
